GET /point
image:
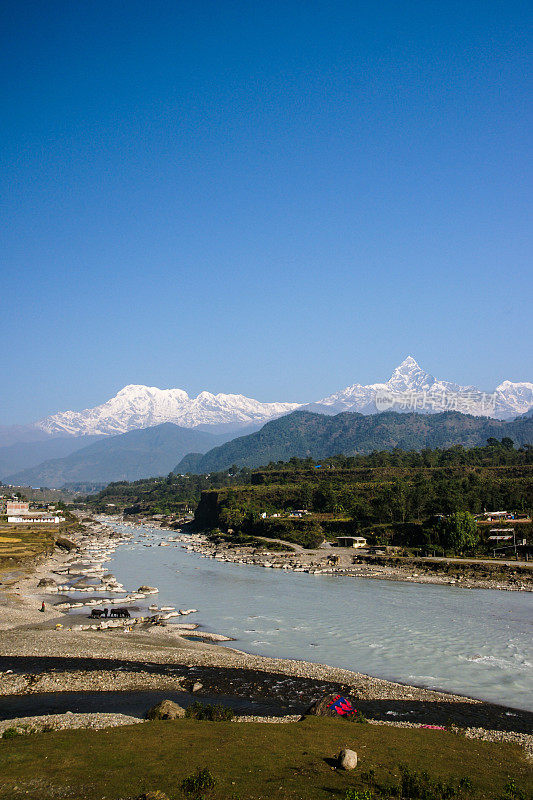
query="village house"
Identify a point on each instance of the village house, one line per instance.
(351, 541)
(16, 507)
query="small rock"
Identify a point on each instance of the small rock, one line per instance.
(347, 759)
(46, 582)
(147, 590)
(197, 686)
(166, 709)
(156, 795)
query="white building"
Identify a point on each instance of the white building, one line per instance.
(30, 519)
(351, 541)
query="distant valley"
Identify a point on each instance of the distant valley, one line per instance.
(129, 456)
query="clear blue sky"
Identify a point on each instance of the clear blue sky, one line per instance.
(273, 198)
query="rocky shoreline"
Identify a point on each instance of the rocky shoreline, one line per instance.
(345, 562)
(40, 652)
(68, 721)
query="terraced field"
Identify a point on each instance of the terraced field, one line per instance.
(19, 544)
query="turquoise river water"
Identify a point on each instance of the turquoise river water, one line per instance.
(475, 642)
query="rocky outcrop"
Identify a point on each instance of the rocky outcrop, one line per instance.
(166, 709)
(47, 582)
(65, 544)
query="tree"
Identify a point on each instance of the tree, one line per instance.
(305, 495)
(459, 532)
(359, 511)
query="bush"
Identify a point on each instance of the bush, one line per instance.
(209, 711)
(11, 733)
(201, 781)
(419, 786)
(358, 717)
(512, 792)
(243, 540)
(358, 794)
(305, 532)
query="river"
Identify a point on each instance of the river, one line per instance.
(476, 642)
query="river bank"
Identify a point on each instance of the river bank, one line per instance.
(347, 562)
(51, 652)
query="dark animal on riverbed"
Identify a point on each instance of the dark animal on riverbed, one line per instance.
(96, 613)
(119, 612)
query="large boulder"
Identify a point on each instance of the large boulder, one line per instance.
(65, 544)
(324, 707)
(166, 709)
(47, 582)
(347, 759)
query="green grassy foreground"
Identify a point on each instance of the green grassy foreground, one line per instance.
(249, 761)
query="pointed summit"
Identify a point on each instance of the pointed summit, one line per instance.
(409, 376)
(408, 362)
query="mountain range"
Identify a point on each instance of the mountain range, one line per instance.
(137, 406)
(410, 388)
(153, 451)
(65, 438)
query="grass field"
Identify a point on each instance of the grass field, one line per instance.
(252, 761)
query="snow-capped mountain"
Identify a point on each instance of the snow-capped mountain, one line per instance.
(137, 406)
(410, 388)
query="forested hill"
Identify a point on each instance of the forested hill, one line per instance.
(303, 434)
(382, 487)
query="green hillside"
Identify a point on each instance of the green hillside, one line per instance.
(396, 495)
(400, 498)
(303, 434)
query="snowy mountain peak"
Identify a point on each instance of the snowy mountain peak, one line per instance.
(409, 376)
(136, 406)
(408, 363)
(410, 388)
(138, 390)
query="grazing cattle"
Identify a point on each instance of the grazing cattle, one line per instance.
(96, 613)
(119, 612)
